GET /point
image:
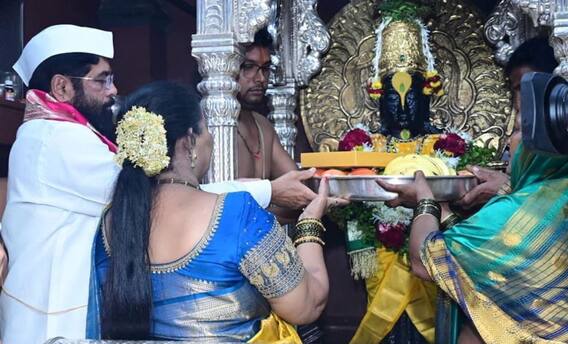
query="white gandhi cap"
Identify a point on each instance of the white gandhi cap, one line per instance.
(62, 39)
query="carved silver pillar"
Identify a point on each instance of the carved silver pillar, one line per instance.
(552, 13)
(219, 69)
(221, 26)
(283, 114)
(311, 40)
(301, 39)
(507, 28)
(559, 38)
(540, 11)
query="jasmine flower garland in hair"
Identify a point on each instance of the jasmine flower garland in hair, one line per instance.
(141, 139)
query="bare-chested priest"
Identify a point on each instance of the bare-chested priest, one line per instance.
(260, 153)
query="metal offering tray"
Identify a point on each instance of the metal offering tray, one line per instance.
(365, 188)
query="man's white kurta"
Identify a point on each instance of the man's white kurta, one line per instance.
(60, 179)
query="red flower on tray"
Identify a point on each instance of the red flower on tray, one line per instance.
(451, 143)
(354, 138)
(391, 236)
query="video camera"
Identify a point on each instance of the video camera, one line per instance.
(544, 111)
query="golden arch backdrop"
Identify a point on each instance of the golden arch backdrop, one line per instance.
(477, 99)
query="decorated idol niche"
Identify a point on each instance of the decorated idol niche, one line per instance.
(404, 79)
(393, 99)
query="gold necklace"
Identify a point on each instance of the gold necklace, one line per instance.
(254, 155)
(392, 143)
(178, 181)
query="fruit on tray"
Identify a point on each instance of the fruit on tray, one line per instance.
(408, 164)
(320, 172)
(362, 172)
(333, 172)
(465, 173)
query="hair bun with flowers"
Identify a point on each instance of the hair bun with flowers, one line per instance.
(141, 139)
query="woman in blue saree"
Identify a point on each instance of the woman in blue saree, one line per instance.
(173, 262)
(507, 265)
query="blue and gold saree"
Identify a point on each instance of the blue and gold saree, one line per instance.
(507, 266)
(217, 292)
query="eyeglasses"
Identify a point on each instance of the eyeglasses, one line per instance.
(107, 82)
(250, 70)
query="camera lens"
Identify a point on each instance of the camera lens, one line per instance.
(557, 121)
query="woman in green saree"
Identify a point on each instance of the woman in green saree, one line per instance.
(507, 265)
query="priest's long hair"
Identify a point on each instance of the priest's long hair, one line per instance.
(127, 289)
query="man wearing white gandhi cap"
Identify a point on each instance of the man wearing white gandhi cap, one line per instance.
(61, 174)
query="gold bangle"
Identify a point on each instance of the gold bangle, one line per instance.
(450, 221)
(421, 207)
(419, 215)
(302, 234)
(445, 219)
(429, 201)
(428, 210)
(314, 226)
(309, 227)
(313, 221)
(308, 239)
(428, 206)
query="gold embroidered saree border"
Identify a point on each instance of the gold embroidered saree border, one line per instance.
(492, 323)
(273, 265)
(194, 252)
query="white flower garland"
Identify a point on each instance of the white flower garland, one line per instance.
(450, 161)
(387, 215)
(426, 46)
(363, 127)
(379, 45)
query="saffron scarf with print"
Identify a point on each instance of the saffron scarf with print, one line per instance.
(40, 105)
(507, 266)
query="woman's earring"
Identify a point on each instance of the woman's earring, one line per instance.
(193, 159)
(192, 153)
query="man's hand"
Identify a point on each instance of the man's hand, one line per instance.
(491, 182)
(289, 191)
